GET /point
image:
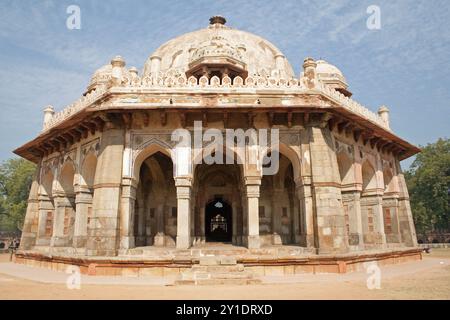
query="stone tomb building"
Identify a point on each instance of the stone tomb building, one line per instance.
(108, 182)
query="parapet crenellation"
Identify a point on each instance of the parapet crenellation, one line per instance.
(215, 84)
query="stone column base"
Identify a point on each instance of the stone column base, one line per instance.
(276, 239)
(79, 241)
(253, 242)
(127, 242)
(183, 242)
(58, 242)
(159, 240)
(27, 241)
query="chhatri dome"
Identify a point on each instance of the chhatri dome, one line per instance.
(216, 45)
(332, 76)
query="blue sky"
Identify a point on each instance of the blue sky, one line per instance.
(404, 65)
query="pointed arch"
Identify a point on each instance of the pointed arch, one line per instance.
(388, 179)
(66, 177)
(369, 179)
(88, 168)
(289, 153)
(146, 150)
(346, 168)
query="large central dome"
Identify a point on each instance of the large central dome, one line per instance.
(215, 44)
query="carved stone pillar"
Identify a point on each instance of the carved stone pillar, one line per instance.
(330, 219)
(352, 207)
(183, 185)
(63, 220)
(30, 227)
(46, 212)
(252, 185)
(103, 230)
(390, 212)
(127, 205)
(406, 222)
(379, 221)
(83, 204)
(303, 187)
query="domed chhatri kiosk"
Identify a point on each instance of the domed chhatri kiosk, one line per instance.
(110, 196)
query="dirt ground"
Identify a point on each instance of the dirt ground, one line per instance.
(426, 279)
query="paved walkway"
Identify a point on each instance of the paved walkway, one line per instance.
(427, 279)
(44, 275)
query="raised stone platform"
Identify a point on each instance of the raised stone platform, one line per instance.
(273, 260)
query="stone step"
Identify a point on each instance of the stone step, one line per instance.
(218, 268)
(217, 260)
(216, 275)
(203, 282)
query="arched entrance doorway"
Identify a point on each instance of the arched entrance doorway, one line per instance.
(212, 183)
(218, 221)
(155, 212)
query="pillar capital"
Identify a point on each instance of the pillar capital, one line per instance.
(252, 180)
(252, 191)
(183, 181)
(184, 187)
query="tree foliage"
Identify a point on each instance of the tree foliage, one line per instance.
(16, 176)
(428, 181)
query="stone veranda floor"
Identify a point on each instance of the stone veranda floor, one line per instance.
(426, 279)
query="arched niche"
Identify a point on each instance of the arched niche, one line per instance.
(369, 179)
(88, 168)
(47, 184)
(66, 177)
(388, 179)
(346, 171)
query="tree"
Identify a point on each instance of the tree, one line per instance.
(16, 176)
(428, 181)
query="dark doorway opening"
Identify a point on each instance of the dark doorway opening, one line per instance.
(218, 224)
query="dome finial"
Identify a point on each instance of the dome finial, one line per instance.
(217, 19)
